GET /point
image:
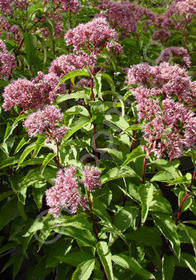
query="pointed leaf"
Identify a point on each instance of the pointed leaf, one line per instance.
(169, 229)
(136, 153)
(84, 270)
(105, 257)
(131, 264)
(146, 194)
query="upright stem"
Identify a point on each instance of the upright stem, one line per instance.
(143, 171)
(91, 215)
(186, 195)
(94, 125)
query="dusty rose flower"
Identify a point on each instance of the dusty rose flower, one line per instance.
(167, 54)
(64, 194)
(91, 177)
(92, 36)
(7, 62)
(46, 121)
(68, 63)
(32, 94)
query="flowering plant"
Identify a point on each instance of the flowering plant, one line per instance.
(98, 133)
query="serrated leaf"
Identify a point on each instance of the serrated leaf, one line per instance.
(76, 126)
(131, 264)
(168, 267)
(105, 257)
(72, 75)
(117, 120)
(148, 236)
(126, 218)
(190, 262)
(47, 159)
(109, 80)
(76, 95)
(22, 143)
(84, 270)
(136, 153)
(77, 110)
(146, 194)
(74, 258)
(117, 173)
(162, 176)
(169, 229)
(9, 161)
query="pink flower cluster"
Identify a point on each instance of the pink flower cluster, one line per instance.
(7, 62)
(161, 35)
(32, 94)
(66, 194)
(6, 7)
(124, 15)
(91, 177)
(46, 121)
(69, 5)
(166, 80)
(93, 37)
(67, 63)
(181, 52)
(186, 8)
(164, 100)
(171, 128)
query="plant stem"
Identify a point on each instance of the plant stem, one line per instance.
(186, 195)
(91, 215)
(143, 171)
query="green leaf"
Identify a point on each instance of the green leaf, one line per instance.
(126, 218)
(30, 48)
(72, 75)
(97, 111)
(105, 257)
(9, 161)
(146, 194)
(39, 144)
(109, 80)
(22, 143)
(76, 95)
(47, 159)
(148, 236)
(76, 257)
(80, 123)
(86, 237)
(77, 110)
(99, 208)
(131, 264)
(4, 195)
(169, 229)
(136, 153)
(134, 127)
(9, 211)
(190, 261)
(117, 173)
(84, 270)
(38, 193)
(160, 204)
(162, 176)
(26, 152)
(118, 121)
(168, 267)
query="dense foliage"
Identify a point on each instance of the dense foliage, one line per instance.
(98, 133)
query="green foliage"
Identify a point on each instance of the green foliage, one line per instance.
(135, 225)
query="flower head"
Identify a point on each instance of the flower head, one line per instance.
(46, 121)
